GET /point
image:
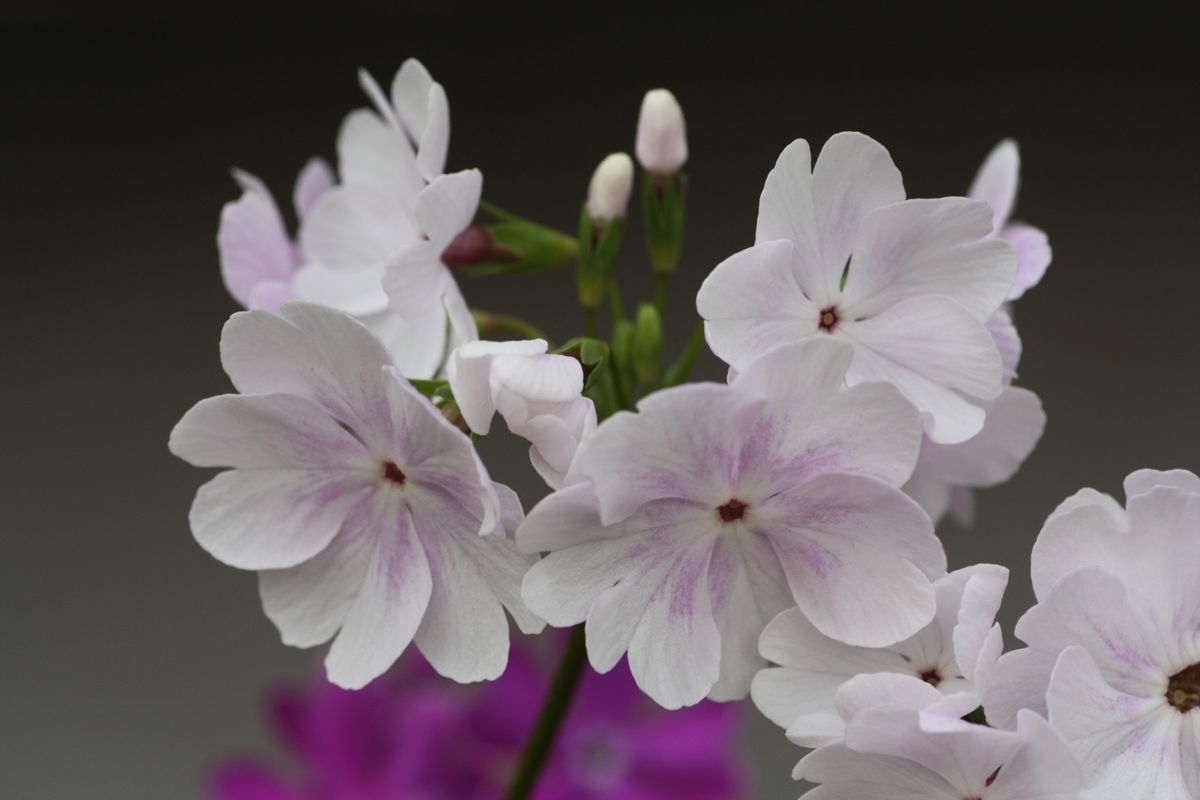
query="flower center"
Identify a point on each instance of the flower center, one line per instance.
(393, 473)
(731, 511)
(1183, 689)
(932, 676)
(828, 319)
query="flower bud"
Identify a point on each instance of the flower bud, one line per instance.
(661, 134)
(608, 193)
(647, 344)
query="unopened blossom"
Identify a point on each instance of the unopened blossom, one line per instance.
(539, 394)
(394, 211)
(610, 187)
(259, 259)
(1114, 641)
(367, 515)
(893, 753)
(946, 663)
(662, 147)
(688, 525)
(996, 184)
(409, 735)
(840, 253)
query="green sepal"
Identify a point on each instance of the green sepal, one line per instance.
(663, 209)
(591, 353)
(598, 251)
(431, 388)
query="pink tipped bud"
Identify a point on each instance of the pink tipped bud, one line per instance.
(661, 134)
(608, 193)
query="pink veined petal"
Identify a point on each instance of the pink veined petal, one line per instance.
(271, 295)
(1008, 342)
(356, 291)
(1094, 610)
(1043, 766)
(438, 457)
(1129, 745)
(786, 210)
(309, 601)
(675, 651)
(390, 605)
(815, 366)
(314, 352)
(356, 227)
(754, 301)
(563, 519)
(273, 518)
(923, 247)
(1013, 427)
(996, 182)
(1018, 681)
(1190, 738)
(314, 180)
(1033, 252)
(858, 554)
(263, 432)
(931, 349)
(853, 176)
(847, 775)
(447, 206)
(744, 597)
(965, 755)
(375, 152)
(684, 443)
(253, 243)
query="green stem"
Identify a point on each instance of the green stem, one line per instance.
(660, 294)
(554, 710)
(614, 298)
(489, 323)
(499, 213)
(589, 322)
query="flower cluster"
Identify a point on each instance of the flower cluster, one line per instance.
(770, 536)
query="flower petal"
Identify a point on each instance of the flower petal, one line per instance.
(314, 180)
(421, 106)
(1018, 682)
(787, 210)
(858, 554)
(447, 205)
(754, 301)
(924, 247)
(1087, 529)
(1043, 766)
(996, 181)
(389, 607)
(847, 775)
(372, 151)
(930, 348)
(253, 243)
(356, 227)
(1033, 252)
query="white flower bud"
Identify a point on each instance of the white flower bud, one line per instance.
(608, 193)
(661, 134)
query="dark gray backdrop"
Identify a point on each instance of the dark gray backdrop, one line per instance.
(131, 659)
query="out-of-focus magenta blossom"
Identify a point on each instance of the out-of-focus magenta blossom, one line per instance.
(412, 736)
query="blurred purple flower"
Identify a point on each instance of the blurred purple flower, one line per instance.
(411, 735)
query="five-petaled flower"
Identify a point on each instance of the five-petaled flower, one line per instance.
(365, 512)
(909, 284)
(1114, 641)
(696, 520)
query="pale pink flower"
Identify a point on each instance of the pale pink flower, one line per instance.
(909, 284)
(697, 519)
(368, 516)
(1114, 641)
(610, 187)
(944, 665)
(661, 147)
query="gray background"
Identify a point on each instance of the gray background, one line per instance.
(130, 659)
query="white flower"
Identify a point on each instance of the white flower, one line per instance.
(1114, 640)
(945, 664)
(996, 184)
(611, 184)
(537, 393)
(394, 212)
(661, 134)
(360, 506)
(712, 509)
(909, 283)
(258, 258)
(904, 754)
